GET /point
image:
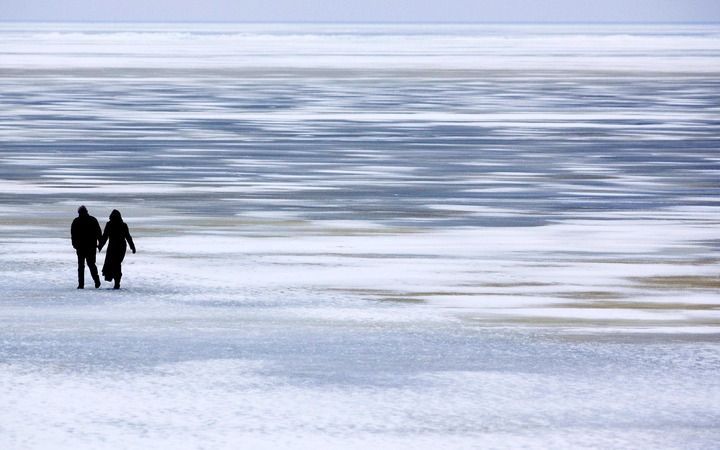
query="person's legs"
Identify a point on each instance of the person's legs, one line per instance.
(93, 269)
(81, 270)
(118, 275)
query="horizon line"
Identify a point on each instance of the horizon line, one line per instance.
(379, 22)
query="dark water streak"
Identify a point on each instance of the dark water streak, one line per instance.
(542, 150)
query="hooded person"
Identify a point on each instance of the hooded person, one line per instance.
(116, 234)
(85, 233)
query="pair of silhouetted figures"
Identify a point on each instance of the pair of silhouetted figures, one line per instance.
(86, 238)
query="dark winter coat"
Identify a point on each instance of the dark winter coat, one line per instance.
(85, 233)
(116, 234)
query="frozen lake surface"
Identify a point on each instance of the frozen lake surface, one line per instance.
(365, 236)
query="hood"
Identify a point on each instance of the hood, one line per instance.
(115, 216)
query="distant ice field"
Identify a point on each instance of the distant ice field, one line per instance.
(363, 236)
(664, 48)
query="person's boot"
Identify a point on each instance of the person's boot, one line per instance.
(81, 278)
(95, 276)
(117, 282)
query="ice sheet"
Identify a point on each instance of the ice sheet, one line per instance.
(363, 236)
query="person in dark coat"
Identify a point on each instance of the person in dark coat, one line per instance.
(116, 233)
(85, 233)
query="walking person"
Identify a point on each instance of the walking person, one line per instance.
(116, 234)
(85, 233)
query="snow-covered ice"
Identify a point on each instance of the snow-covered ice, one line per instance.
(365, 236)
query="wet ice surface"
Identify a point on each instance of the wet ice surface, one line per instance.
(363, 236)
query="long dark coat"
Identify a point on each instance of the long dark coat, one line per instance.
(116, 233)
